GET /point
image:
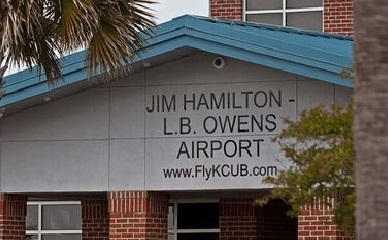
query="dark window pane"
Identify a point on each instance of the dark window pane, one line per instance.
(66, 217)
(198, 215)
(32, 217)
(255, 5)
(303, 3)
(306, 20)
(270, 18)
(62, 237)
(198, 236)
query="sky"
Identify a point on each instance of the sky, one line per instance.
(166, 10)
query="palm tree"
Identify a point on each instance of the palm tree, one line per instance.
(36, 32)
(371, 118)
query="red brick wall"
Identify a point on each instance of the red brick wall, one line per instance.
(315, 222)
(13, 210)
(138, 215)
(95, 221)
(226, 9)
(238, 219)
(338, 17)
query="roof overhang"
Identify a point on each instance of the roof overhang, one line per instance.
(312, 55)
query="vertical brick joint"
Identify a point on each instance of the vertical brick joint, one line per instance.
(238, 219)
(138, 215)
(316, 221)
(95, 221)
(13, 210)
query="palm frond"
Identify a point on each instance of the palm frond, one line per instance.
(116, 39)
(37, 32)
(28, 37)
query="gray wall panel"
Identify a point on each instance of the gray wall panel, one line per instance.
(110, 138)
(80, 116)
(54, 166)
(127, 112)
(199, 69)
(126, 167)
(343, 95)
(137, 79)
(312, 93)
(194, 103)
(210, 171)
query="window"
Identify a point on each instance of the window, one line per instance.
(306, 14)
(53, 220)
(192, 221)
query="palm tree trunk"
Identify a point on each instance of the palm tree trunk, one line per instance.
(371, 118)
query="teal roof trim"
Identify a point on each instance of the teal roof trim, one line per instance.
(309, 54)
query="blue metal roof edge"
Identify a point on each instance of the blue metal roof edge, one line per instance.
(186, 31)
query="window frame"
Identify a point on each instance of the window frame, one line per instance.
(284, 11)
(41, 232)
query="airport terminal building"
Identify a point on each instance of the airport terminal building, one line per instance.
(178, 149)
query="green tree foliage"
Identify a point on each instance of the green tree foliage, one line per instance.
(319, 148)
(37, 32)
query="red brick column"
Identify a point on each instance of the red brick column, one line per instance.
(338, 17)
(95, 221)
(238, 219)
(138, 215)
(315, 222)
(226, 9)
(13, 210)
